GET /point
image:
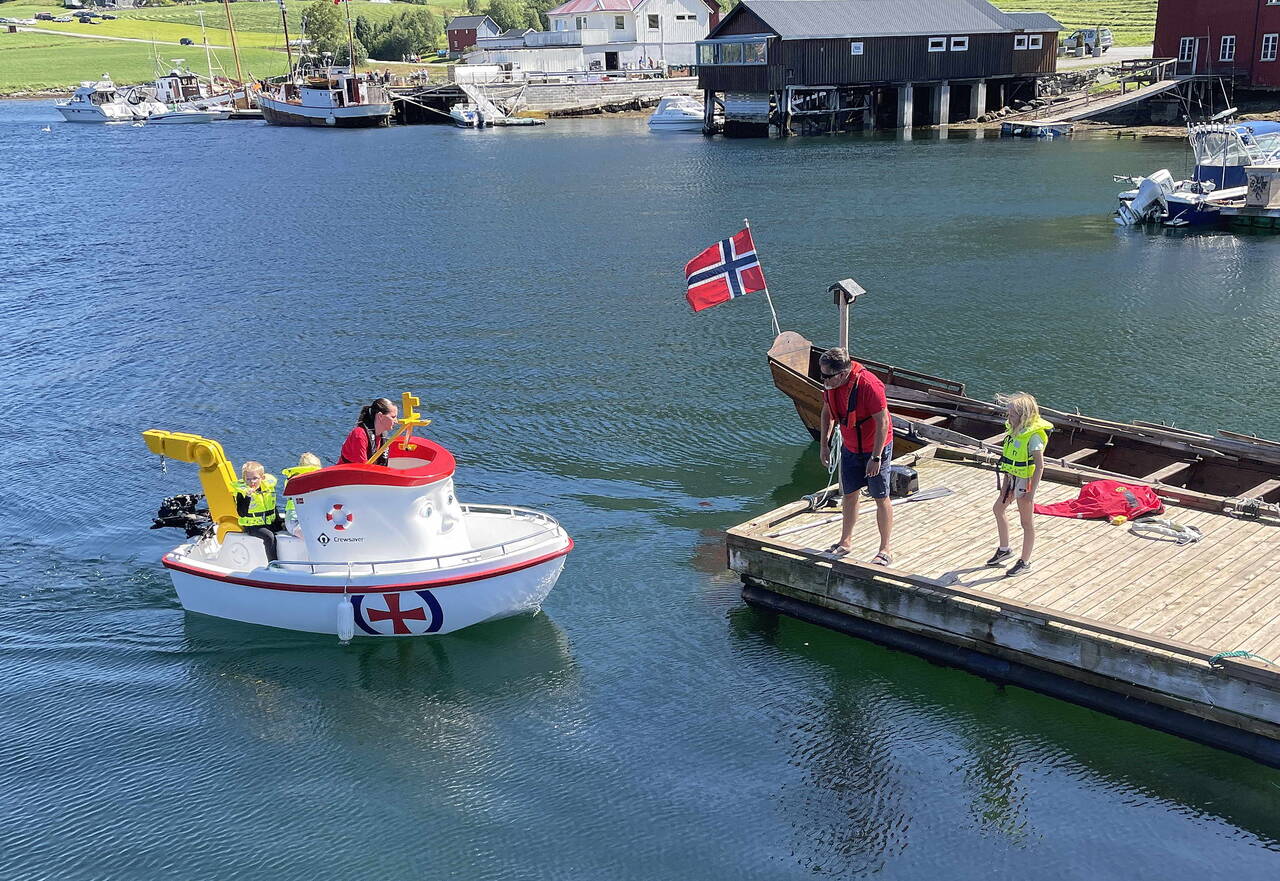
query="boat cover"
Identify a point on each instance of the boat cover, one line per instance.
(1104, 499)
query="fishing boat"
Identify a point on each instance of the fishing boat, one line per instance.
(677, 113)
(102, 101)
(331, 96)
(1227, 471)
(374, 550)
(1223, 152)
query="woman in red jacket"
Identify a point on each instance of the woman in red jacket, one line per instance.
(375, 421)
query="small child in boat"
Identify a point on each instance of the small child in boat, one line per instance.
(256, 505)
(1018, 476)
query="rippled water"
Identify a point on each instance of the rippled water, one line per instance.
(257, 284)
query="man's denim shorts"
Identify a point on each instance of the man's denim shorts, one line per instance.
(853, 473)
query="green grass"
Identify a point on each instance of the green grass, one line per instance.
(1132, 22)
(35, 62)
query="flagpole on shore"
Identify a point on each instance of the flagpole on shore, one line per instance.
(776, 328)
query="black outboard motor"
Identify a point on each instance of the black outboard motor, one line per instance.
(183, 512)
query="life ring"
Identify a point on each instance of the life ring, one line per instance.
(339, 519)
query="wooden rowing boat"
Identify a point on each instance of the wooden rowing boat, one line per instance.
(1223, 471)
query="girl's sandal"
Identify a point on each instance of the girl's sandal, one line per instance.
(882, 559)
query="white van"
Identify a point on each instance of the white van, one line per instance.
(1089, 37)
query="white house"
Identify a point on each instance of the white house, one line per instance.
(608, 35)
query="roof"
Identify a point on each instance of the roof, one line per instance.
(466, 22)
(817, 19)
(511, 33)
(1035, 21)
(583, 6)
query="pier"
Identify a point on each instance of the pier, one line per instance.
(1169, 635)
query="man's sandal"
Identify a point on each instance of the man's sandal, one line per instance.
(882, 559)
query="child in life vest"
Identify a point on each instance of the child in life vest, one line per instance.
(307, 463)
(255, 494)
(1018, 475)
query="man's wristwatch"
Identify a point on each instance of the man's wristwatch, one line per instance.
(875, 458)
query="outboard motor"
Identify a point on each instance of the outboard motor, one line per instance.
(1149, 203)
(183, 512)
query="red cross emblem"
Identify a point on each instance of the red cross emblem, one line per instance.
(429, 613)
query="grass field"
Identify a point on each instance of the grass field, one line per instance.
(1132, 22)
(32, 62)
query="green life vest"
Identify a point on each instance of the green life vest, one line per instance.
(294, 472)
(262, 504)
(1016, 458)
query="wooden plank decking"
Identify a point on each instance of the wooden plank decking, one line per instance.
(1138, 616)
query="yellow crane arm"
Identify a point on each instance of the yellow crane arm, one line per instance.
(217, 477)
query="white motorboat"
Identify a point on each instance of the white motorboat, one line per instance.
(374, 550)
(183, 86)
(677, 113)
(186, 116)
(102, 101)
(466, 116)
(333, 97)
(1223, 151)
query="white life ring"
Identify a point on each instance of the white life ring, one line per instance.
(339, 518)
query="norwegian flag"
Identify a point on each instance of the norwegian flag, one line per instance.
(728, 269)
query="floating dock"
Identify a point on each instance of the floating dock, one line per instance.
(1139, 627)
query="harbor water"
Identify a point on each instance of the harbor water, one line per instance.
(257, 285)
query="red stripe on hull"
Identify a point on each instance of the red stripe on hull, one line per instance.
(390, 588)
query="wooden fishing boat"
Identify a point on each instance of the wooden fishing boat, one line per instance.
(1224, 471)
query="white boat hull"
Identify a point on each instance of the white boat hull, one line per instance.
(428, 610)
(100, 113)
(676, 125)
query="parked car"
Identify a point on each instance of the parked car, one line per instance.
(61, 19)
(48, 16)
(187, 41)
(109, 17)
(1088, 37)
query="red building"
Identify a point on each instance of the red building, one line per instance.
(464, 30)
(1238, 38)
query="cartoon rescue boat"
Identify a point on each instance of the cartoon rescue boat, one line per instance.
(375, 550)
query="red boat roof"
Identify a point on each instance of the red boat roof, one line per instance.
(435, 463)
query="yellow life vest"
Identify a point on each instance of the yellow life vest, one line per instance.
(1016, 457)
(262, 504)
(294, 472)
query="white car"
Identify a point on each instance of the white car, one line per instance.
(1089, 37)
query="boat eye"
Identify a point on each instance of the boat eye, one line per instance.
(427, 510)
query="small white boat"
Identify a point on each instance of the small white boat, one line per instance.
(101, 101)
(677, 113)
(466, 116)
(378, 551)
(186, 116)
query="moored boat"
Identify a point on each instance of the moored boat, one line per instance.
(374, 550)
(465, 115)
(334, 97)
(186, 116)
(102, 101)
(677, 113)
(1225, 471)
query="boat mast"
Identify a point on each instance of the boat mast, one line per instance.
(208, 58)
(351, 40)
(284, 23)
(235, 50)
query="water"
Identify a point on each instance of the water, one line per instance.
(257, 285)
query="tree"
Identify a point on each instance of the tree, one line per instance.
(508, 13)
(362, 55)
(473, 7)
(324, 27)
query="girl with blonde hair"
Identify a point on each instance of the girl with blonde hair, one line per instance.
(1018, 476)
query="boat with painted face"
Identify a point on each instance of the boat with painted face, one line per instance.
(375, 550)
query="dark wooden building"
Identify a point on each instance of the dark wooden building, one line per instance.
(834, 64)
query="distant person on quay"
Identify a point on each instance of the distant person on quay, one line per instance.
(1021, 464)
(376, 419)
(853, 398)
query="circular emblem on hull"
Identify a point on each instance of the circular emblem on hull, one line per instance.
(339, 518)
(406, 613)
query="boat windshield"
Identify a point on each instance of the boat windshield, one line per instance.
(1220, 148)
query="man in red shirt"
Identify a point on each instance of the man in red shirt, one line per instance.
(853, 398)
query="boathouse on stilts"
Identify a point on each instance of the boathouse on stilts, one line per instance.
(780, 67)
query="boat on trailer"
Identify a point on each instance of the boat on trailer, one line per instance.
(1223, 471)
(374, 550)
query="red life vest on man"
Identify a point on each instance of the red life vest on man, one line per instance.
(1104, 499)
(854, 406)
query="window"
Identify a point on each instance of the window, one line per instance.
(619, 23)
(1269, 46)
(753, 53)
(1227, 51)
(706, 53)
(580, 22)
(1020, 41)
(1187, 49)
(653, 22)
(730, 53)
(937, 44)
(959, 44)
(855, 48)
(1035, 41)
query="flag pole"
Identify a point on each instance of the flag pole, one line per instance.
(776, 329)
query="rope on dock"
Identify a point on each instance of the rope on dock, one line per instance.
(1216, 660)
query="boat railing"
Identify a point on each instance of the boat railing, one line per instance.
(547, 527)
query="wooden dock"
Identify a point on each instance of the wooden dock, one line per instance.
(1131, 625)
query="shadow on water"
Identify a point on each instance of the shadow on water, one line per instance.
(995, 739)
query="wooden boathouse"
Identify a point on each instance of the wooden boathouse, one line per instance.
(809, 66)
(1170, 635)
